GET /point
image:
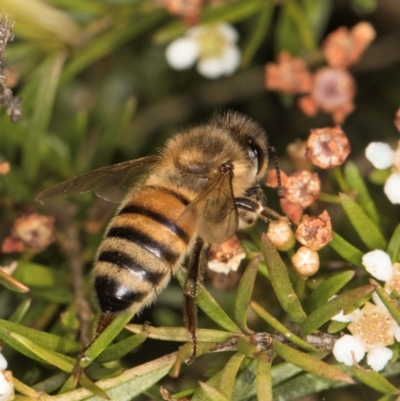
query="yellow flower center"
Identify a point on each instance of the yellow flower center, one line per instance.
(211, 42)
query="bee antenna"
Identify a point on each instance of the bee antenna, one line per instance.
(277, 169)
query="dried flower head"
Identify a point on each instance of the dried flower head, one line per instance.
(227, 256)
(373, 326)
(188, 9)
(305, 261)
(397, 120)
(327, 147)
(315, 232)
(344, 47)
(333, 91)
(4, 168)
(281, 234)
(289, 75)
(302, 187)
(300, 190)
(30, 231)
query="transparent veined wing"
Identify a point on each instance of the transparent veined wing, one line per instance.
(111, 183)
(214, 211)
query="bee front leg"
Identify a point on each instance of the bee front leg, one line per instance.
(252, 209)
(195, 271)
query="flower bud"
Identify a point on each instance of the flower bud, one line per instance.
(281, 235)
(306, 261)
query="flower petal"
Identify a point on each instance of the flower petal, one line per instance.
(392, 188)
(378, 357)
(378, 264)
(347, 349)
(230, 59)
(3, 362)
(182, 53)
(229, 32)
(211, 68)
(380, 154)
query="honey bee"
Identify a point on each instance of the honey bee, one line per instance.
(197, 191)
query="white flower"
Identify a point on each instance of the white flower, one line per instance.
(348, 349)
(380, 154)
(378, 357)
(225, 267)
(3, 362)
(214, 46)
(6, 386)
(373, 329)
(378, 264)
(392, 188)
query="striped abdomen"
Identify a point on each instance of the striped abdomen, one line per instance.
(143, 245)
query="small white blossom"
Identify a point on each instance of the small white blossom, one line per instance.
(341, 317)
(392, 188)
(3, 362)
(378, 357)
(348, 349)
(213, 46)
(378, 264)
(181, 53)
(6, 386)
(226, 266)
(380, 154)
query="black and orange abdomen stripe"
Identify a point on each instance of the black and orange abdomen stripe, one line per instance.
(143, 245)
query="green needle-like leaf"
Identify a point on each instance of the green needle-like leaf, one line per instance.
(356, 183)
(281, 283)
(365, 227)
(229, 13)
(11, 283)
(106, 337)
(327, 289)
(389, 303)
(180, 333)
(346, 250)
(46, 340)
(263, 381)
(325, 312)
(212, 393)
(393, 248)
(228, 375)
(244, 292)
(375, 380)
(120, 349)
(278, 326)
(259, 34)
(210, 306)
(310, 363)
(62, 362)
(20, 312)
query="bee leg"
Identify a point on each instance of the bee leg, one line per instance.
(257, 209)
(255, 193)
(194, 276)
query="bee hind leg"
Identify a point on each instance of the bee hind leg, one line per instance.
(195, 271)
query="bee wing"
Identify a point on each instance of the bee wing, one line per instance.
(214, 211)
(111, 183)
